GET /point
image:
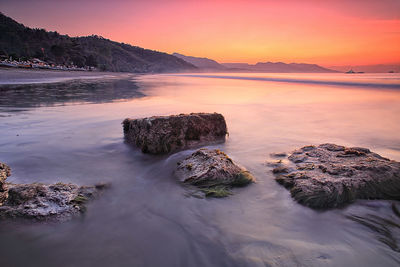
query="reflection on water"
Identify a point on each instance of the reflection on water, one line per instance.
(145, 219)
(378, 81)
(61, 93)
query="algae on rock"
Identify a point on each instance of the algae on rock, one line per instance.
(213, 172)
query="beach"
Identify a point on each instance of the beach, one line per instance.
(23, 76)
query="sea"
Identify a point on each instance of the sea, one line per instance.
(70, 131)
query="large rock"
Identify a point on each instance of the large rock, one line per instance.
(41, 202)
(5, 171)
(164, 134)
(47, 202)
(329, 176)
(213, 172)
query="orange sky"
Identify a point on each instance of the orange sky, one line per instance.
(322, 32)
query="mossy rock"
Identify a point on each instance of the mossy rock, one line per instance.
(213, 172)
(243, 178)
(80, 200)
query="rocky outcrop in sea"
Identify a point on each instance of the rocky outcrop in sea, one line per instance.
(165, 134)
(213, 172)
(330, 176)
(43, 202)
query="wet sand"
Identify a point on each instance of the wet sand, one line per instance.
(36, 88)
(24, 76)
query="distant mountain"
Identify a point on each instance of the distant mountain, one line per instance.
(209, 64)
(369, 68)
(277, 67)
(201, 62)
(243, 66)
(19, 41)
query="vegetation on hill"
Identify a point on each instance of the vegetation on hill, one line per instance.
(21, 42)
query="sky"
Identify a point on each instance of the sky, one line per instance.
(352, 32)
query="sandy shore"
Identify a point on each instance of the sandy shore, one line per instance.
(21, 76)
(34, 88)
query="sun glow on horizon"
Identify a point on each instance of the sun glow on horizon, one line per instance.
(321, 32)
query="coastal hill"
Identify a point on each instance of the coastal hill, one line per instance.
(278, 67)
(206, 64)
(201, 62)
(20, 42)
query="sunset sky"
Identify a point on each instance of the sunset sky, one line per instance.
(322, 32)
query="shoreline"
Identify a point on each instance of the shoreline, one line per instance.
(23, 76)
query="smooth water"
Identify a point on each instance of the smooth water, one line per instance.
(147, 219)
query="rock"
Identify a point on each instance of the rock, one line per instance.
(43, 202)
(165, 134)
(47, 202)
(278, 155)
(273, 163)
(329, 176)
(280, 169)
(213, 172)
(5, 171)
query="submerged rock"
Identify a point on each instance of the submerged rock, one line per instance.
(46, 202)
(164, 134)
(213, 172)
(278, 155)
(329, 176)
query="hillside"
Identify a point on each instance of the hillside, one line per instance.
(19, 41)
(206, 64)
(201, 62)
(278, 67)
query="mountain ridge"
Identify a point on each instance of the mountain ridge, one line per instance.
(200, 62)
(279, 67)
(206, 64)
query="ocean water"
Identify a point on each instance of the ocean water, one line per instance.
(71, 131)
